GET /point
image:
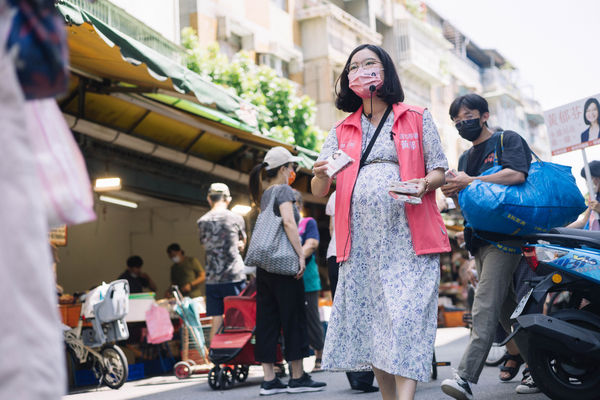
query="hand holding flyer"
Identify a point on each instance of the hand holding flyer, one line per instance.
(451, 173)
(337, 162)
(404, 191)
(404, 187)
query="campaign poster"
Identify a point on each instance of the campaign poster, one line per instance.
(574, 125)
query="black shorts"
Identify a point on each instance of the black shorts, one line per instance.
(216, 292)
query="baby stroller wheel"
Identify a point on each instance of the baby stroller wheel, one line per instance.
(213, 378)
(240, 373)
(115, 367)
(225, 378)
(182, 370)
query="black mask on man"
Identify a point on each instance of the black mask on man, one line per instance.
(469, 129)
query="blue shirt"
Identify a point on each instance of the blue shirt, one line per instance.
(309, 230)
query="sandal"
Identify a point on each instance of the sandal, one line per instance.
(512, 371)
(317, 367)
(280, 371)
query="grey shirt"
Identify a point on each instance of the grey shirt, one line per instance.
(284, 193)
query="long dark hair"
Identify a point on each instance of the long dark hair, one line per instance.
(588, 102)
(391, 92)
(255, 181)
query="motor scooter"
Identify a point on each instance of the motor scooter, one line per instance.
(564, 344)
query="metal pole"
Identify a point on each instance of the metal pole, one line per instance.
(591, 189)
(588, 177)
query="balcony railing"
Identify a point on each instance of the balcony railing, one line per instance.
(496, 82)
(464, 70)
(308, 9)
(420, 53)
(119, 19)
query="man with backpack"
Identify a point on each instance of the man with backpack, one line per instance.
(495, 295)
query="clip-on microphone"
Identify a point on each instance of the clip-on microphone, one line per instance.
(372, 89)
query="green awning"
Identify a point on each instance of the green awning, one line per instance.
(308, 156)
(158, 66)
(200, 110)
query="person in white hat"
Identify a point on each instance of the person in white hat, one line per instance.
(223, 235)
(280, 298)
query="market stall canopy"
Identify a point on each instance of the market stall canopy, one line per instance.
(128, 60)
(123, 84)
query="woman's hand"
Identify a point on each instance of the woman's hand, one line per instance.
(422, 187)
(320, 169)
(595, 206)
(302, 267)
(321, 182)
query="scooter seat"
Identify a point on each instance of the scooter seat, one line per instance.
(577, 232)
(569, 237)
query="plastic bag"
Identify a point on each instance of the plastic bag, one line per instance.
(158, 322)
(549, 198)
(67, 191)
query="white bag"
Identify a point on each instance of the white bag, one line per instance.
(67, 192)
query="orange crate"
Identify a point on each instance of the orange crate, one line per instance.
(453, 319)
(70, 313)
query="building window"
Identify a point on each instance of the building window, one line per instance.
(231, 46)
(281, 67)
(283, 4)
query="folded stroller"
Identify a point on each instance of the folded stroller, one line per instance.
(232, 349)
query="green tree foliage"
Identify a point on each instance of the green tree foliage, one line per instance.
(282, 114)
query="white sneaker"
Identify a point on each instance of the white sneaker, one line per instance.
(457, 388)
(527, 386)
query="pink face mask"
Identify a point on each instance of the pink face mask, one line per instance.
(364, 80)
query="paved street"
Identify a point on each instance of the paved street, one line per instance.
(449, 346)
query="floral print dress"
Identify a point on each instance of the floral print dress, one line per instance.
(385, 309)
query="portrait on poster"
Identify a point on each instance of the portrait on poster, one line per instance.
(574, 126)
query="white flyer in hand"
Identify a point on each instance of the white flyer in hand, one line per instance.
(404, 187)
(405, 198)
(337, 162)
(403, 191)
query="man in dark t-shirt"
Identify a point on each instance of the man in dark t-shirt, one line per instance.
(495, 295)
(513, 155)
(138, 280)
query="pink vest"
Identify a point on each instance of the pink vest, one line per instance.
(427, 228)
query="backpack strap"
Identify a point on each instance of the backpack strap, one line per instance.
(499, 149)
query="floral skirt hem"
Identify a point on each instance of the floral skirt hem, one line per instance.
(368, 367)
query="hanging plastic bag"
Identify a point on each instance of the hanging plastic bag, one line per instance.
(67, 191)
(549, 198)
(158, 322)
(39, 37)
